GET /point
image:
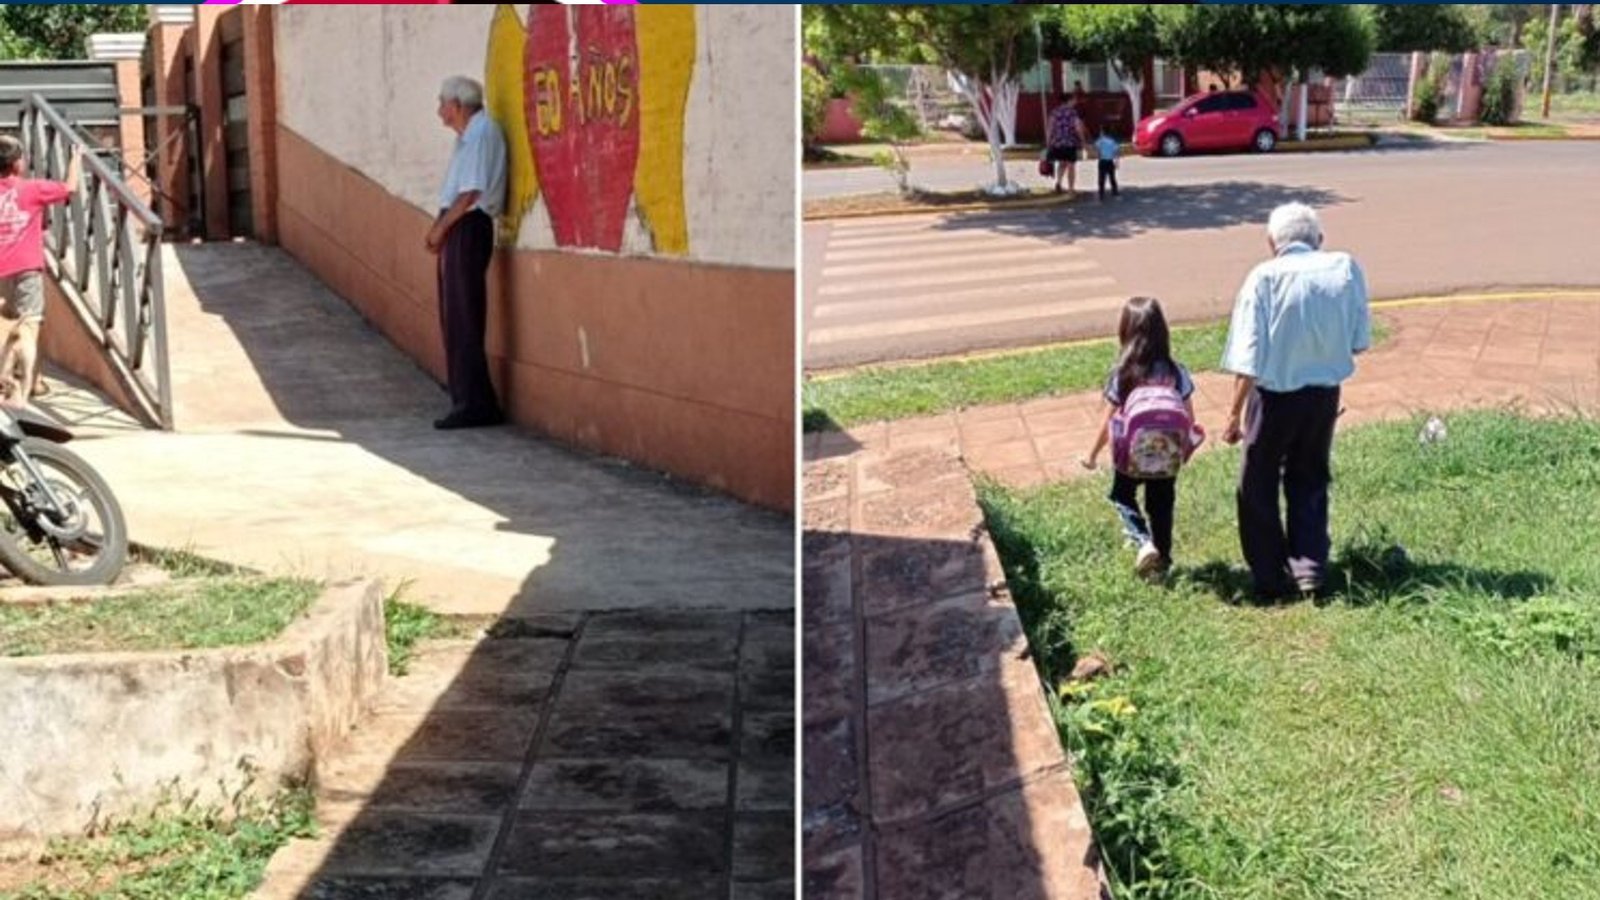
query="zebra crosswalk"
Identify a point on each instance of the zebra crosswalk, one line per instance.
(905, 286)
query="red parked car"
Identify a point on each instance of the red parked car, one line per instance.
(1219, 120)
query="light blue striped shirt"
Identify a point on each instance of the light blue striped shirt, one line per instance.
(1299, 320)
(477, 164)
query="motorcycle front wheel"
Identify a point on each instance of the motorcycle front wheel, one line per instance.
(86, 543)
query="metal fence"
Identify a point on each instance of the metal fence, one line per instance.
(105, 254)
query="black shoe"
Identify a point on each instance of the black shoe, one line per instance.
(469, 420)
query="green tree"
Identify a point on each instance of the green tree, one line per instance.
(1128, 36)
(1401, 27)
(882, 119)
(984, 48)
(60, 31)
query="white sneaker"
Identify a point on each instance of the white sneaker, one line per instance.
(1149, 559)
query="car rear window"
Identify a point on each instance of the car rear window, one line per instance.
(1241, 101)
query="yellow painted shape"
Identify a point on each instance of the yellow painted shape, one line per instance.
(503, 96)
(666, 37)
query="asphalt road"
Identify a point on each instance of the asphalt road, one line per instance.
(1426, 219)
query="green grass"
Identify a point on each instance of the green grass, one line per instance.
(1581, 105)
(407, 624)
(920, 389)
(1432, 730)
(898, 392)
(217, 612)
(180, 851)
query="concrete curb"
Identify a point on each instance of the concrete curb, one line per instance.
(988, 206)
(94, 735)
(1314, 145)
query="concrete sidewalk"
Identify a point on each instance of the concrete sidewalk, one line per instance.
(305, 445)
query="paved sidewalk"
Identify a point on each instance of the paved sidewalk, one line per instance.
(305, 445)
(932, 767)
(1539, 354)
(576, 756)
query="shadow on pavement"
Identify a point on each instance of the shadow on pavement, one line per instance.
(1141, 209)
(618, 719)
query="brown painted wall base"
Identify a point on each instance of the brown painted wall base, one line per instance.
(683, 367)
(65, 341)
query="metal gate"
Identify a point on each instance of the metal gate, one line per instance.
(236, 125)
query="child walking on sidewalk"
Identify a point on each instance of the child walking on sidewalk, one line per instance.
(1149, 424)
(22, 205)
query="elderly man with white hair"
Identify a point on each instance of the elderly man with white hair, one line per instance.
(1297, 324)
(473, 194)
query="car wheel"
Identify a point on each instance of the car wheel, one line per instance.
(1265, 141)
(1171, 144)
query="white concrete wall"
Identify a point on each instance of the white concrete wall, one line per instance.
(360, 82)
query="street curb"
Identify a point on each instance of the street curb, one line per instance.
(1315, 145)
(1320, 145)
(990, 206)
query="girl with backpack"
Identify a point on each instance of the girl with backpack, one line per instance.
(1150, 426)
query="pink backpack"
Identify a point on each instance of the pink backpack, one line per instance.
(1152, 435)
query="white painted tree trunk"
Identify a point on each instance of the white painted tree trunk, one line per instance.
(1132, 85)
(1300, 115)
(1005, 108)
(1283, 101)
(977, 96)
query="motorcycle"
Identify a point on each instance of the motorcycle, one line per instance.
(59, 523)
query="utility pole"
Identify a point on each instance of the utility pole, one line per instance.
(1549, 59)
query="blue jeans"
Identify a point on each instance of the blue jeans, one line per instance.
(1155, 525)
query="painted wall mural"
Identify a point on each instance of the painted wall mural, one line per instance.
(592, 100)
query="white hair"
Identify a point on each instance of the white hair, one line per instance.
(462, 90)
(1294, 222)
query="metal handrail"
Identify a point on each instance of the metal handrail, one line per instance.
(105, 254)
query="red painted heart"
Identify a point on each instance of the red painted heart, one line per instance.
(583, 118)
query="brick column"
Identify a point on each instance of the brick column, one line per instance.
(261, 78)
(205, 42)
(131, 125)
(168, 49)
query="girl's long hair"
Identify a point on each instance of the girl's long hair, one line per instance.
(1145, 342)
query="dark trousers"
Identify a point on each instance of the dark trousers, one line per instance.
(1108, 169)
(1288, 438)
(463, 312)
(1155, 525)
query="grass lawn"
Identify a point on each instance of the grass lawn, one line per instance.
(217, 612)
(898, 392)
(1580, 105)
(178, 851)
(1431, 730)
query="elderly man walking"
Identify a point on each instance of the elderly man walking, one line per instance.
(463, 236)
(1298, 322)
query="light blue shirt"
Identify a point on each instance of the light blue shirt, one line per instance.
(477, 164)
(1107, 147)
(1299, 320)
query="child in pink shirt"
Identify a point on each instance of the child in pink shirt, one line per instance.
(22, 205)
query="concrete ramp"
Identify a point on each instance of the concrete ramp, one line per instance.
(305, 444)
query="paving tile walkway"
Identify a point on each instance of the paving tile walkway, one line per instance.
(625, 728)
(630, 754)
(931, 766)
